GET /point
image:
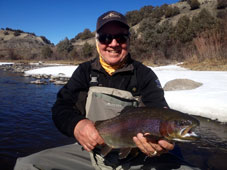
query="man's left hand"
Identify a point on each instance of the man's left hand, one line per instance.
(152, 148)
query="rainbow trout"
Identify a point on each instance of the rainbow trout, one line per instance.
(158, 123)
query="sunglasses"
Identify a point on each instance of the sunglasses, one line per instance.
(108, 38)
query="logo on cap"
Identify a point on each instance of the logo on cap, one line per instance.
(111, 15)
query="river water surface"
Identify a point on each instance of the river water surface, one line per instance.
(26, 126)
(25, 118)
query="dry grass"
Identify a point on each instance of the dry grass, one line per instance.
(211, 51)
(206, 65)
(193, 64)
(67, 62)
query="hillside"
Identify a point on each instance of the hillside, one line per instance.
(185, 9)
(190, 31)
(16, 44)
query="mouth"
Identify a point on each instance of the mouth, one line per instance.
(188, 133)
(113, 51)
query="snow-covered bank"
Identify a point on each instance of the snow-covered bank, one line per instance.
(53, 70)
(3, 63)
(209, 100)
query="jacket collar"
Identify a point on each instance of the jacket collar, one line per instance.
(96, 65)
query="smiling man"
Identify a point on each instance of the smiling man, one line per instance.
(98, 90)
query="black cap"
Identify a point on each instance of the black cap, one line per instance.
(111, 16)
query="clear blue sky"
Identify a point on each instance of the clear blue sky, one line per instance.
(57, 19)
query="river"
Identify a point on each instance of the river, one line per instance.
(26, 126)
(25, 118)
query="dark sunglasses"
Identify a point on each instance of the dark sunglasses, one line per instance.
(108, 38)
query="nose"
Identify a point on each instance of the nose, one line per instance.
(114, 43)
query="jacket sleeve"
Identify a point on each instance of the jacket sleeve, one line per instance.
(65, 113)
(150, 88)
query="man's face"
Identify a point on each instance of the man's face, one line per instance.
(115, 51)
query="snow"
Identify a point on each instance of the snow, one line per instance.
(208, 100)
(53, 70)
(5, 63)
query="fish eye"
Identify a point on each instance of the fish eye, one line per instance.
(182, 122)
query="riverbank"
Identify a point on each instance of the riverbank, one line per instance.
(208, 100)
(40, 79)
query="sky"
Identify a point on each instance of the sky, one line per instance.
(58, 19)
(208, 100)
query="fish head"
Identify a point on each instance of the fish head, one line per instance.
(182, 129)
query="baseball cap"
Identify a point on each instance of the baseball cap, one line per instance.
(111, 16)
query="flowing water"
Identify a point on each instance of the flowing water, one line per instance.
(25, 118)
(26, 126)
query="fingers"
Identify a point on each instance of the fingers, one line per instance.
(87, 135)
(96, 137)
(146, 147)
(166, 145)
(152, 148)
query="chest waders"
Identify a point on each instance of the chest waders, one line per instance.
(105, 103)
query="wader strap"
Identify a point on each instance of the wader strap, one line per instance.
(94, 79)
(105, 103)
(132, 85)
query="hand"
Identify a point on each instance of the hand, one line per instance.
(152, 148)
(87, 135)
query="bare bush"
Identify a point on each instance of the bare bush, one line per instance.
(221, 4)
(194, 4)
(12, 55)
(211, 45)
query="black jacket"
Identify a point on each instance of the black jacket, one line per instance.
(135, 77)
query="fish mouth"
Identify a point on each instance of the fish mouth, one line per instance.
(188, 133)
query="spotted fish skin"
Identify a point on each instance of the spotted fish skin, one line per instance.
(159, 123)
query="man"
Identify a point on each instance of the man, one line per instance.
(96, 91)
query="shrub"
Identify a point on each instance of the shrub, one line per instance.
(31, 33)
(12, 55)
(64, 46)
(222, 14)
(146, 11)
(84, 35)
(221, 4)
(6, 33)
(147, 28)
(16, 33)
(133, 17)
(45, 40)
(157, 13)
(87, 51)
(9, 29)
(183, 31)
(194, 4)
(74, 55)
(203, 21)
(46, 52)
(171, 11)
(211, 45)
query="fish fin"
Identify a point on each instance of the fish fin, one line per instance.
(134, 152)
(124, 152)
(151, 137)
(105, 150)
(127, 109)
(98, 122)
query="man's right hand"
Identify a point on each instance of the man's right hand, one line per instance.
(87, 135)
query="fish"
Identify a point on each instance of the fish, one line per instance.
(154, 123)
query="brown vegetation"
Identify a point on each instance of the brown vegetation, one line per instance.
(192, 31)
